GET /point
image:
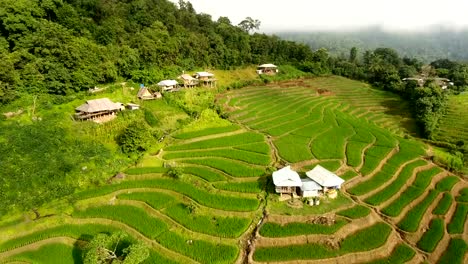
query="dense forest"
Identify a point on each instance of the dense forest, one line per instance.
(61, 47)
(51, 51)
(437, 43)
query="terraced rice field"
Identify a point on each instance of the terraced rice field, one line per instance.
(454, 125)
(395, 206)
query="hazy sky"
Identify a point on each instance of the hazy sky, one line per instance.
(300, 15)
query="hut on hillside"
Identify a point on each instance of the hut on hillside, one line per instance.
(168, 85)
(189, 81)
(286, 181)
(95, 109)
(269, 69)
(206, 78)
(145, 94)
(310, 188)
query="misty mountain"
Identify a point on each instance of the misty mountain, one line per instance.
(438, 43)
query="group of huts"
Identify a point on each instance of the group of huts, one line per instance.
(318, 182)
(104, 109)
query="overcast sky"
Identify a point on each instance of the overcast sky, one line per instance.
(300, 15)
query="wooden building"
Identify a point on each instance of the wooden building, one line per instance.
(286, 181)
(189, 81)
(168, 85)
(98, 108)
(145, 94)
(269, 69)
(206, 79)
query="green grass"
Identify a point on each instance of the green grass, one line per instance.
(355, 212)
(243, 187)
(231, 227)
(373, 157)
(412, 218)
(132, 216)
(447, 183)
(326, 205)
(432, 236)
(230, 167)
(396, 185)
(331, 165)
(331, 145)
(293, 148)
(259, 147)
(271, 229)
(51, 253)
(455, 252)
(462, 197)
(418, 187)
(229, 141)
(146, 170)
(153, 199)
(401, 254)
(457, 223)
(207, 198)
(206, 132)
(205, 173)
(348, 175)
(354, 151)
(84, 232)
(363, 240)
(444, 204)
(246, 156)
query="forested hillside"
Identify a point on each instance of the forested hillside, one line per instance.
(61, 47)
(439, 43)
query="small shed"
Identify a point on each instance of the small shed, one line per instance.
(168, 85)
(310, 188)
(268, 68)
(96, 108)
(189, 81)
(325, 178)
(286, 181)
(206, 78)
(145, 94)
(132, 107)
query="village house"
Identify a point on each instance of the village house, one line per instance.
(168, 85)
(269, 69)
(329, 181)
(189, 81)
(145, 94)
(206, 79)
(319, 181)
(97, 109)
(286, 181)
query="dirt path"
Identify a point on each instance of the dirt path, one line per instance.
(351, 258)
(342, 233)
(192, 140)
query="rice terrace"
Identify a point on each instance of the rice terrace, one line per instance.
(395, 206)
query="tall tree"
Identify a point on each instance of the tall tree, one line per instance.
(249, 24)
(353, 55)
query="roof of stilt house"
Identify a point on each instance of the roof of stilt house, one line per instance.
(268, 65)
(204, 74)
(98, 105)
(324, 177)
(168, 83)
(143, 92)
(310, 185)
(186, 77)
(286, 177)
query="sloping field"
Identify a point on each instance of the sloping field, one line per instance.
(453, 126)
(219, 206)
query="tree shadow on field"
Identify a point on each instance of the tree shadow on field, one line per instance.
(402, 111)
(78, 248)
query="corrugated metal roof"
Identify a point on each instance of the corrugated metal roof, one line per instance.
(324, 177)
(168, 83)
(268, 65)
(205, 74)
(98, 105)
(286, 178)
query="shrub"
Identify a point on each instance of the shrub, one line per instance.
(150, 118)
